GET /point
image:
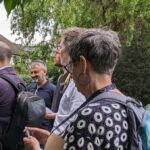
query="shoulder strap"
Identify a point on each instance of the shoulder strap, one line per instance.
(118, 98)
(18, 87)
(130, 103)
(108, 96)
(71, 115)
(136, 116)
(97, 98)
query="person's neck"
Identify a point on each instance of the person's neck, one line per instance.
(98, 82)
(4, 64)
(42, 83)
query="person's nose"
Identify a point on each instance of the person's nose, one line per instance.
(33, 75)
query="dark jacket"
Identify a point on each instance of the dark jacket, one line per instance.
(60, 88)
(7, 98)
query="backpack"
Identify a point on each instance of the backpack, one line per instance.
(29, 111)
(139, 119)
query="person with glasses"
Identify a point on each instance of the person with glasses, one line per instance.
(71, 99)
(102, 122)
(62, 83)
(69, 102)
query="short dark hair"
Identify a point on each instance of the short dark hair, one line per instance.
(101, 47)
(70, 34)
(5, 51)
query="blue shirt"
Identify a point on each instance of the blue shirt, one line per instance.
(46, 92)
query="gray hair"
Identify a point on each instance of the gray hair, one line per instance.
(101, 47)
(40, 63)
(5, 51)
(70, 34)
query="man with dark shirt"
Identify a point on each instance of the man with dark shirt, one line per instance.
(7, 92)
(42, 86)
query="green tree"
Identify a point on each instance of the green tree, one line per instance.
(54, 15)
(132, 74)
(130, 18)
(40, 51)
(12, 4)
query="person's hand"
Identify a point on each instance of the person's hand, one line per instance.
(40, 134)
(31, 143)
(50, 116)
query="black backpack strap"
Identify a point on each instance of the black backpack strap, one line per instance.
(18, 87)
(111, 86)
(118, 98)
(108, 96)
(130, 103)
(136, 114)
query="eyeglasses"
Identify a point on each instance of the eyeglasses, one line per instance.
(68, 67)
(58, 47)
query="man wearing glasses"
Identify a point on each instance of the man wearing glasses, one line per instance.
(62, 83)
(70, 100)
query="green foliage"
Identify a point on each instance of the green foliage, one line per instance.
(77, 13)
(29, 21)
(26, 78)
(41, 51)
(49, 17)
(130, 18)
(132, 75)
(11, 4)
(21, 62)
(53, 72)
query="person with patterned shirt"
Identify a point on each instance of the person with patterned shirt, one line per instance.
(99, 124)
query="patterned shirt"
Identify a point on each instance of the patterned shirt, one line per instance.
(99, 125)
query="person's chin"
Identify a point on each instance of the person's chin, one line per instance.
(36, 81)
(58, 64)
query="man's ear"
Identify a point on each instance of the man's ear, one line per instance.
(83, 63)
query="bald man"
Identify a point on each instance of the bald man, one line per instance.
(7, 93)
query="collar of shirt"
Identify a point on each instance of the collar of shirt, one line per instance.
(1, 68)
(44, 86)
